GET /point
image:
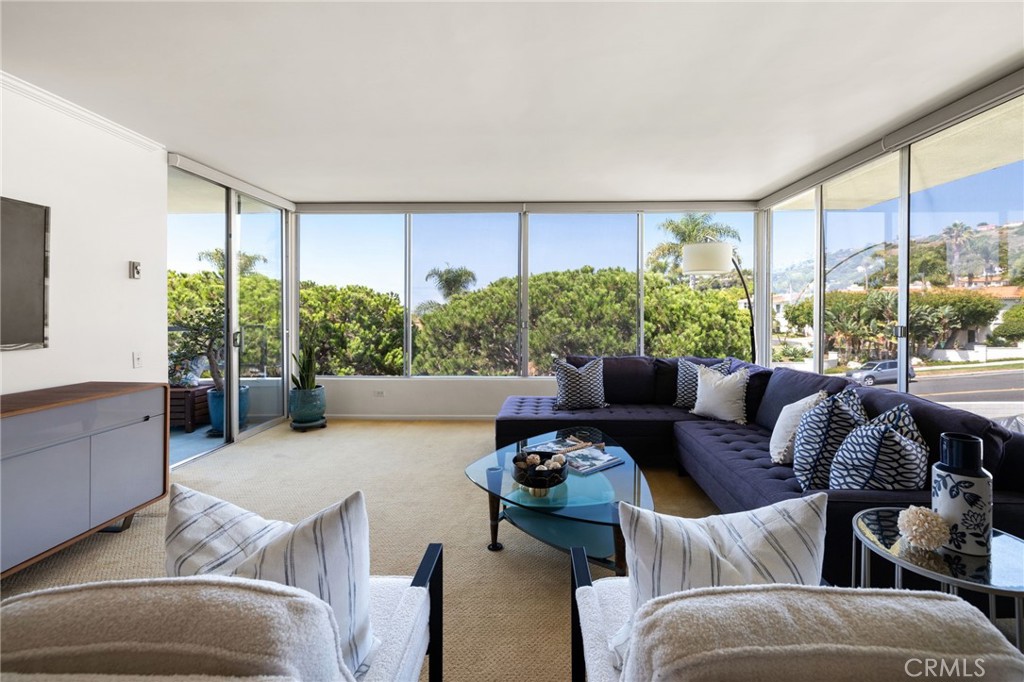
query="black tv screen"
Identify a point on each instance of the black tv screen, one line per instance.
(24, 274)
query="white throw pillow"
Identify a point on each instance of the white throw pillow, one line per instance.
(781, 543)
(722, 397)
(327, 554)
(781, 445)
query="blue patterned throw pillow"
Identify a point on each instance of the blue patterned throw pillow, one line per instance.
(686, 381)
(579, 388)
(822, 430)
(888, 453)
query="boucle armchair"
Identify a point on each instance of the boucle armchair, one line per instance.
(782, 632)
(217, 627)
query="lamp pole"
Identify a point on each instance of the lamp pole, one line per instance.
(750, 309)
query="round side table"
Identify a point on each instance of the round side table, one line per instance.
(1001, 574)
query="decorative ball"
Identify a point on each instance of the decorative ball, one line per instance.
(559, 458)
(533, 459)
(922, 528)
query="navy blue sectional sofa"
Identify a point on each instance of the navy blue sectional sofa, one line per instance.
(730, 461)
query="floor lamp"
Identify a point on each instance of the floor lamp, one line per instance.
(715, 258)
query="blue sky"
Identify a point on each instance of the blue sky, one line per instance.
(369, 249)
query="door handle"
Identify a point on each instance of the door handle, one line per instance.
(236, 339)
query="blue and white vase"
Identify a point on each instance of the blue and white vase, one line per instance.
(962, 494)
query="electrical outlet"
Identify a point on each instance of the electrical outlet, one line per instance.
(135, 269)
(378, 394)
(136, 359)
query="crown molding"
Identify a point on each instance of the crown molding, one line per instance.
(17, 86)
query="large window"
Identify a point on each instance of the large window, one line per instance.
(352, 272)
(686, 314)
(792, 268)
(861, 249)
(967, 262)
(583, 286)
(465, 294)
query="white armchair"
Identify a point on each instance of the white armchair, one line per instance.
(783, 632)
(222, 627)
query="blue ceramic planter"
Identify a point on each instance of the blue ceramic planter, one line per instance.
(306, 405)
(215, 399)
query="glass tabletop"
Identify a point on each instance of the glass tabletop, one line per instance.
(1001, 573)
(591, 498)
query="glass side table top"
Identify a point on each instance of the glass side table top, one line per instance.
(590, 498)
(1002, 573)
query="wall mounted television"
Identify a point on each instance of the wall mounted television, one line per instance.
(24, 274)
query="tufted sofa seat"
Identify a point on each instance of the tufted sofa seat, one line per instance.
(731, 462)
(741, 475)
(645, 431)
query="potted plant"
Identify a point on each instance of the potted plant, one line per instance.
(200, 333)
(307, 400)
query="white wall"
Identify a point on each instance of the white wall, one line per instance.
(107, 192)
(427, 397)
(980, 353)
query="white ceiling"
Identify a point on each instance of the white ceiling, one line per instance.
(513, 101)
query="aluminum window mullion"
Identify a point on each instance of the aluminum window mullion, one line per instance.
(232, 384)
(524, 294)
(640, 349)
(819, 282)
(763, 308)
(292, 300)
(407, 333)
(903, 302)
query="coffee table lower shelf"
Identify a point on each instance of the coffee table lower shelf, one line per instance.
(599, 540)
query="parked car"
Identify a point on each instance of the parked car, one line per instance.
(877, 372)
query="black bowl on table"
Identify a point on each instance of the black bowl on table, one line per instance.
(535, 480)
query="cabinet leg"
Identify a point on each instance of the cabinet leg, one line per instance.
(123, 525)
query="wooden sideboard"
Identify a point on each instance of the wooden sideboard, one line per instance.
(75, 459)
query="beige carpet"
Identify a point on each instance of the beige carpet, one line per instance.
(506, 613)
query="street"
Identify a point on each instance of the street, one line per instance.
(995, 386)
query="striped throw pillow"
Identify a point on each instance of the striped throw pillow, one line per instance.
(781, 543)
(327, 554)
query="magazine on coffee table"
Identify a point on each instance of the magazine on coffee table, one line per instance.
(581, 456)
(589, 460)
(556, 446)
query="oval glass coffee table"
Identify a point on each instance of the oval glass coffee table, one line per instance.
(583, 511)
(1000, 574)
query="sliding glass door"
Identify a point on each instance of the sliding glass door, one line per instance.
(260, 347)
(226, 345)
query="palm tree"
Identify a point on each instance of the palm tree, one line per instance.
(691, 227)
(247, 262)
(450, 281)
(988, 251)
(957, 235)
